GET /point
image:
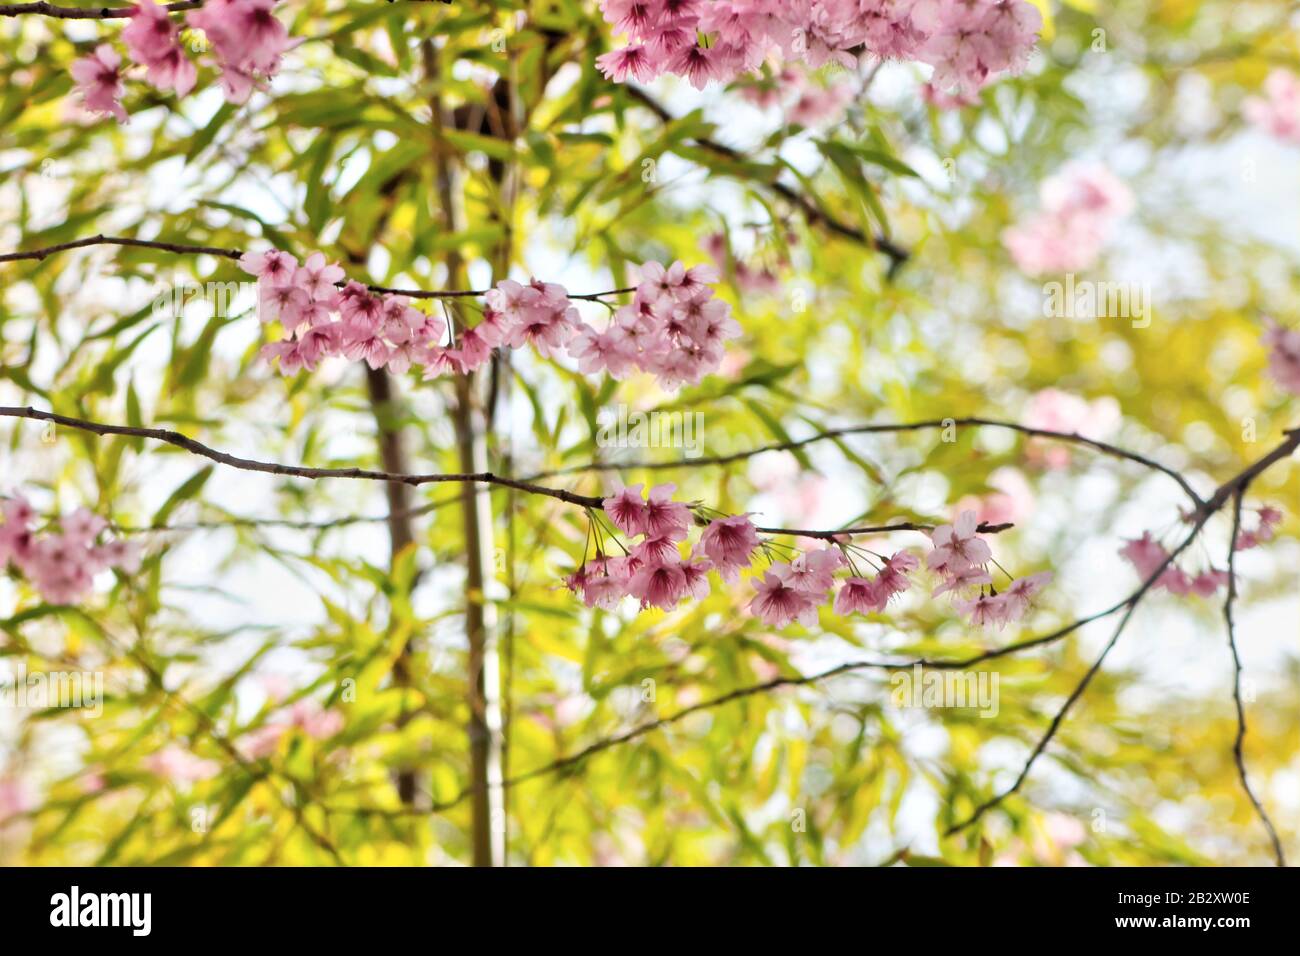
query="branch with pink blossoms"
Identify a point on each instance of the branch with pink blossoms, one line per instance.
(674, 328)
(706, 42)
(1229, 489)
(1213, 505)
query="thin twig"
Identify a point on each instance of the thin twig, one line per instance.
(880, 428)
(225, 253)
(811, 211)
(1237, 754)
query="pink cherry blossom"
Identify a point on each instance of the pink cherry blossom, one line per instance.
(664, 517)
(626, 508)
(814, 571)
(956, 546)
(247, 40)
(707, 41)
(1284, 355)
(967, 578)
(1018, 595)
(779, 601)
(153, 41)
(860, 596)
(99, 80)
(1278, 111)
(62, 567)
(729, 543)
(984, 610)
(1145, 554)
(1268, 519)
(659, 585)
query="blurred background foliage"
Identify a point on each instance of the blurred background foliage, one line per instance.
(574, 179)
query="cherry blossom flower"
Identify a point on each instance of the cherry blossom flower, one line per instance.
(984, 610)
(779, 601)
(153, 41)
(1148, 557)
(1284, 355)
(1145, 554)
(956, 546)
(99, 80)
(1278, 110)
(1269, 519)
(664, 517)
(729, 543)
(860, 596)
(659, 585)
(968, 577)
(674, 329)
(247, 40)
(1018, 595)
(814, 571)
(707, 41)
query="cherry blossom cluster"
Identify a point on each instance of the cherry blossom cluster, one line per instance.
(246, 38)
(1147, 555)
(657, 574)
(1284, 355)
(674, 328)
(961, 558)
(1080, 206)
(61, 564)
(708, 41)
(1278, 110)
(1267, 518)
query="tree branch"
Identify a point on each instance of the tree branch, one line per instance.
(938, 423)
(594, 502)
(812, 212)
(1233, 486)
(1237, 754)
(226, 253)
(86, 13)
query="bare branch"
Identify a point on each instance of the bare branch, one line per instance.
(810, 210)
(881, 428)
(225, 253)
(85, 13)
(593, 502)
(1237, 754)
